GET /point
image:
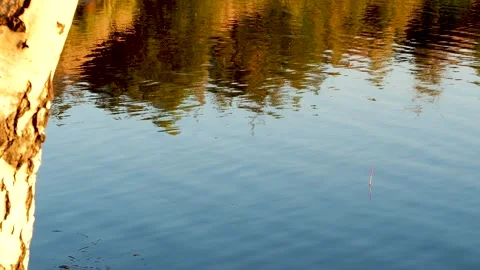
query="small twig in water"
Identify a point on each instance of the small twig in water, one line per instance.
(371, 176)
(370, 183)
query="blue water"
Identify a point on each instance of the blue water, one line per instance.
(235, 188)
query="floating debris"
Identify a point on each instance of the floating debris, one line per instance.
(83, 248)
(84, 235)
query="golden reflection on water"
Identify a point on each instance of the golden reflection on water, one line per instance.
(256, 54)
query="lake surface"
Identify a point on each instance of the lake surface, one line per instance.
(239, 134)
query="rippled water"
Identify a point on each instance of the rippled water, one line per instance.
(240, 135)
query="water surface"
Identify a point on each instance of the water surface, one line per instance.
(240, 134)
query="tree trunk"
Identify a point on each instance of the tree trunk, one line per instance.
(32, 34)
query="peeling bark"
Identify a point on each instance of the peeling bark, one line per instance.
(26, 93)
(10, 12)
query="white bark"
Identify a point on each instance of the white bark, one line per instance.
(30, 46)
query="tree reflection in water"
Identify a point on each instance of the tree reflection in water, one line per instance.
(161, 60)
